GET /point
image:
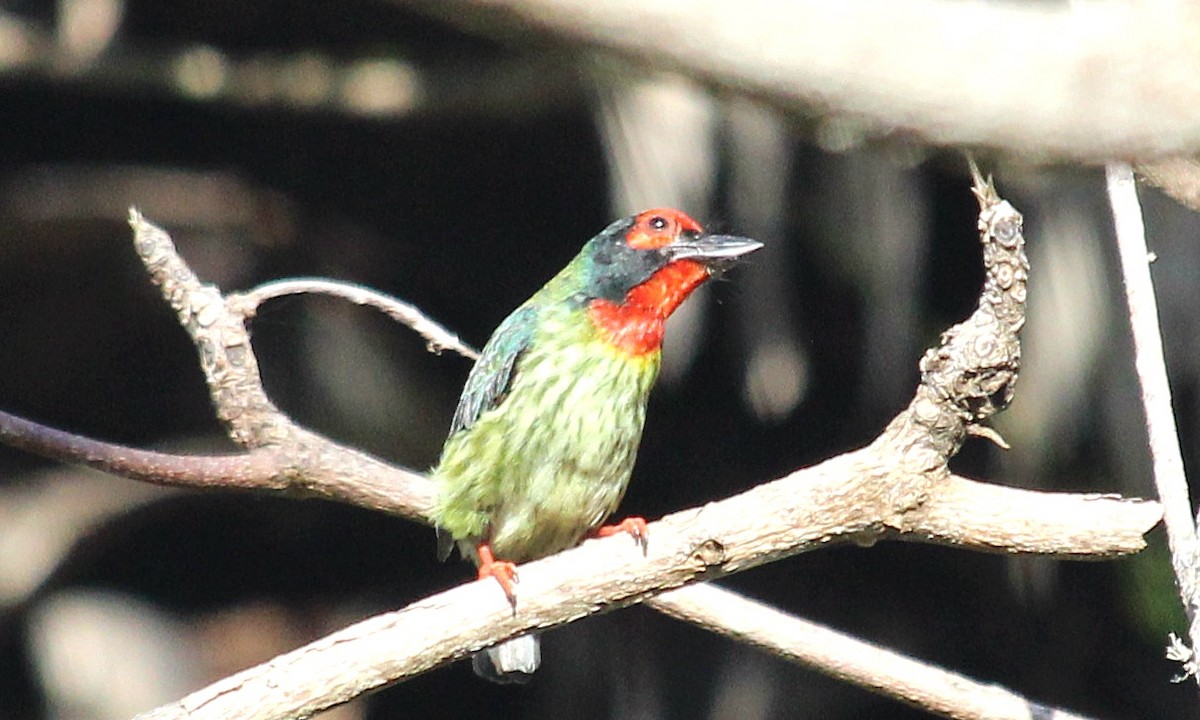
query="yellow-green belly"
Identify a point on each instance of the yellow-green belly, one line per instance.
(552, 460)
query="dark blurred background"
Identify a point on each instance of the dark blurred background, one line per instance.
(365, 142)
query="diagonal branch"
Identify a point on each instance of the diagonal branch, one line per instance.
(257, 469)
(847, 658)
(837, 500)
(1169, 476)
(899, 486)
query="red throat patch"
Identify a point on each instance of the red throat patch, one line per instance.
(636, 325)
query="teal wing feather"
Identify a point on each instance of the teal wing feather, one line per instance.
(489, 381)
(492, 375)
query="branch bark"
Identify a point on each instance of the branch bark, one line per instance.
(899, 486)
(847, 658)
(837, 500)
(1087, 81)
(437, 338)
(1166, 455)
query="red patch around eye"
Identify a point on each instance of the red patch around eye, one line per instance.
(659, 227)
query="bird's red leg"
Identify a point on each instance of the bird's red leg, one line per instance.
(504, 572)
(635, 526)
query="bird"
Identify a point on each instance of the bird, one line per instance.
(543, 440)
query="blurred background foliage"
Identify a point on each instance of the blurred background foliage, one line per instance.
(365, 142)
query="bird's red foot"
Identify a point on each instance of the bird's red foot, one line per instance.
(504, 572)
(635, 526)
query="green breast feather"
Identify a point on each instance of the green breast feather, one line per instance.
(544, 438)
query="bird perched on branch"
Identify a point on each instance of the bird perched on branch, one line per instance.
(546, 431)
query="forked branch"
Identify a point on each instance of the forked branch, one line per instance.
(899, 486)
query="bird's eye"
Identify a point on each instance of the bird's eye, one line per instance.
(658, 222)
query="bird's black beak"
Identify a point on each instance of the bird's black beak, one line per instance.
(717, 252)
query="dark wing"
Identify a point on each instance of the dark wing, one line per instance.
(489, 380)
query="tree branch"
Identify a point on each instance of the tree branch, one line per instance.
(1087, 81)
(309, 464)
(837, 500)
(437, 337)
(899, 486)
(1167, 457)
(251, 470)
(847, 658)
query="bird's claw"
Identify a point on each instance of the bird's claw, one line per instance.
(503, 571)
(635, 526)
(505, 574)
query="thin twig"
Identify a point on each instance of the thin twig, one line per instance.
(1169, 476)
(437, 337)
(847, 658)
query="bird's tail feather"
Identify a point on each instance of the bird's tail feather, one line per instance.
(512, 661)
